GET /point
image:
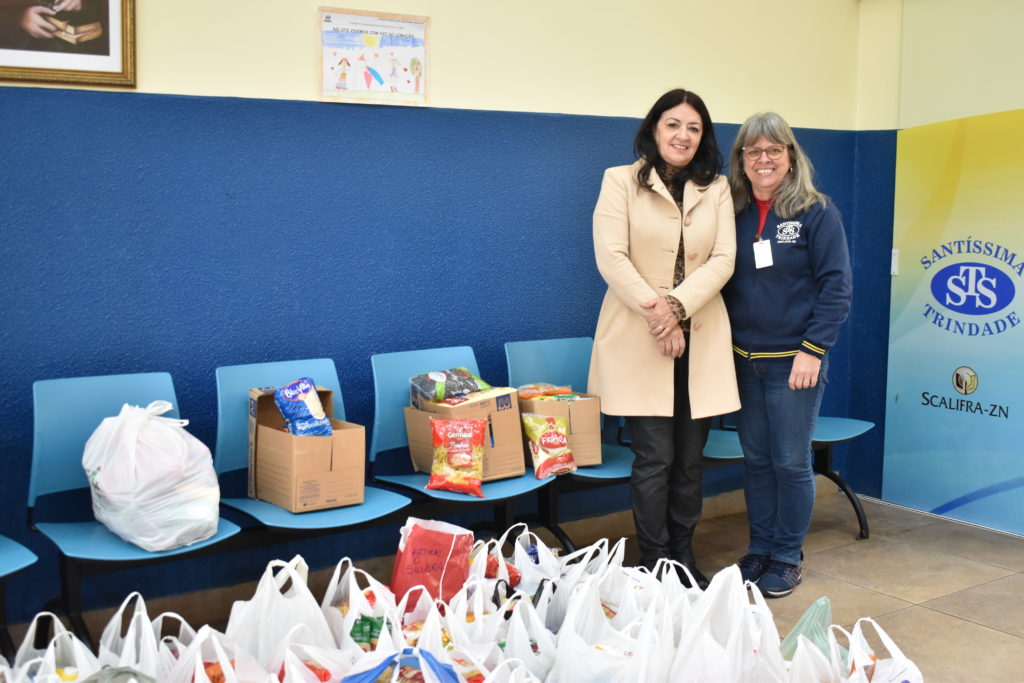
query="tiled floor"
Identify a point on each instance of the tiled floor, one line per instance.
(950, 595)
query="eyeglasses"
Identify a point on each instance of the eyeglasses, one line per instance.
(754, 153)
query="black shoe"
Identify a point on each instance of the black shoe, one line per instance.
(702, 581)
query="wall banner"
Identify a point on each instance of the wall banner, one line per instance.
(954, 434)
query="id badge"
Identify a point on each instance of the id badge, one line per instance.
(762, 254)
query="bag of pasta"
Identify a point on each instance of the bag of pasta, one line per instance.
(458, 456)
(549, 444)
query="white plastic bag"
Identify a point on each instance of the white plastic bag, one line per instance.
(66, 652)
(511, 671)
(212, 653)
(282, 600)
(346, 601)
(153, 483)
(28, 650)
(867, 666)
(136, 647)
(728, 639)
(297, 658)
(170, 645)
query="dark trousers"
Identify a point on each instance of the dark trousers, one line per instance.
(665, 485)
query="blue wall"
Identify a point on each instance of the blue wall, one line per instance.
(147, 232)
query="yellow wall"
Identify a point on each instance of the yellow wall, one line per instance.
(799, 57)
(960, 58)
(878, 64)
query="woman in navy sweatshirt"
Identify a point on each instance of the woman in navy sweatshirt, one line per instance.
(788, 297)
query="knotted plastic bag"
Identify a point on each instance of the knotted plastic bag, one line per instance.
(153, 483)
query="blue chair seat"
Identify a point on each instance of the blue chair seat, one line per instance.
(616, 463)
(94, 542)
(500, 489)
(377, 503)
(838, 429)
(14, 556)
(723, 447)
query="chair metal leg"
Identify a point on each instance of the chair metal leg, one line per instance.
(71, 597)
(823, 466)
(549, 517)
(6, 643)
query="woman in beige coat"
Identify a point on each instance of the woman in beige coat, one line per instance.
(665, 243)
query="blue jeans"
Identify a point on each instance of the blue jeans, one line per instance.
(775, 426)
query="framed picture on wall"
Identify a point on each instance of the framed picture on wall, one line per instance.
(81, 42)
(372, 57)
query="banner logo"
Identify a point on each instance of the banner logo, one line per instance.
(965, 380)
(964, 290)
(972, 288)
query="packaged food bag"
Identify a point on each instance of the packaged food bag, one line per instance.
(458, 464)
(549, 444)
(438, 385)
(434, 555)
(300, 405)
(538, 389)
(152, 483)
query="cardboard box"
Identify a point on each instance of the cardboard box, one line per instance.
(503, 445)
(303, 473)
(584, 416)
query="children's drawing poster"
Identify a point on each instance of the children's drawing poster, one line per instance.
(372, 57)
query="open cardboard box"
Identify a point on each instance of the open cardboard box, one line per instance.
(503, 444)
(584, 417)
(303, 473)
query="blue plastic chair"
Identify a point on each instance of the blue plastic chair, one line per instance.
(67, 411)
(232, 451)
(13, 558)
(389, 455)
(566, 361)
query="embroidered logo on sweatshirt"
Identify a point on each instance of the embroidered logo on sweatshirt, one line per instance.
(788, 232)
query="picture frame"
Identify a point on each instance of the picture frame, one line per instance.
(372, 57)
(74, 42)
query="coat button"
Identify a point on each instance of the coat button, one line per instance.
(696, 327)
(692, 255)
(687, 221)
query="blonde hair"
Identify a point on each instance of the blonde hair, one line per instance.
(796, 194)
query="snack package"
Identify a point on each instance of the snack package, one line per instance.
(549, 444)
(537, 389)
(300, 406)
(458, 456)
(439, 385)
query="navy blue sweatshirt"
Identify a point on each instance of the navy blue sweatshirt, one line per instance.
(798, 303)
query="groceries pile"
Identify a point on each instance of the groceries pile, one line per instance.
(465, 611)
(468, 422)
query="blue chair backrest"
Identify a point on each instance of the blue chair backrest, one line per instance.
(68, 411)
(391, 374)
(233, 384)
(557, 361)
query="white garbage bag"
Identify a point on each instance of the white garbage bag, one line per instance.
(153, 484)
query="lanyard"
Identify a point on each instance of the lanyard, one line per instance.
(763, 207)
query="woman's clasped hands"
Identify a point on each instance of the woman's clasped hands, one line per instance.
(664, 327)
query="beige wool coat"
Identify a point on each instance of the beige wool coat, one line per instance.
(636, 238)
